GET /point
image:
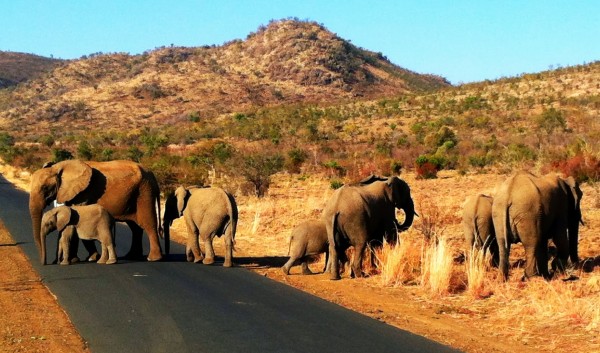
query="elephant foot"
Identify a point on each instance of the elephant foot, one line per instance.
(197, 261)
(306, 271)
(285, 270)
(101, 261)
(65, 262)
(208, 260)
(154, 256)
(228, 263)
(93, 257)
(74, 260)
(335, 277)
(111, 261)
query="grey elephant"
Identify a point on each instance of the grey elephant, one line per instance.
(129, 192)
(478, 225)
(90, 222)
(208, 212)
(532, 210)
(361, 214)
(308, 239)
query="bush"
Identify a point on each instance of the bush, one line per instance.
(257, 167)
(582, 167)
(427, 166)
(59, 155)
(336, 184)
(296, 157)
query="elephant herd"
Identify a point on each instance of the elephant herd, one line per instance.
(525, 208)
(98, 194)
(530, 210)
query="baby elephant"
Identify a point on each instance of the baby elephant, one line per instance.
(91, 222)
(307, 239)
(478, 225)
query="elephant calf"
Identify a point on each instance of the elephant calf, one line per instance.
(91, 222)
(478, 225)
(308, 239)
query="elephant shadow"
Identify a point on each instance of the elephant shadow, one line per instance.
(261, 262)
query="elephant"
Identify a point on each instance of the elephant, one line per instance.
(478, 225)
(125, 189)
(90, 222)
(357, 215)
(208, 212)
(532, 210)
(309, 238)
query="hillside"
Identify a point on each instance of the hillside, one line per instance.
(285, 62)
(20, 67)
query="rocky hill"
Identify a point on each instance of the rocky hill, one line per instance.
(285, 62)
(20, 67)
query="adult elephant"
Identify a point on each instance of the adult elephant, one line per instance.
(208, 212)
(357, 215)
(532, 210)
(125, 189)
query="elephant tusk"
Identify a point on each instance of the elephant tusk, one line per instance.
(416, 214)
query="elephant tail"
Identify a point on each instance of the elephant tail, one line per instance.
(334, 227)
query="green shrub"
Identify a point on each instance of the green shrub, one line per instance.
(427, 166)
(59, 155)
(336, 184)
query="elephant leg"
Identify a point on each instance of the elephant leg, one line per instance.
(503, 254)
(90, 246)
(288, 265)
(63, 248)
(334, 264)
(305, 269)
(112, 254)
(562, 247)
(228, 250)
(327, 265)
(104, 256)
(193, 251)
(357, 260)
(135, 251)
(209, 257)
(146, 219)
(493, 249)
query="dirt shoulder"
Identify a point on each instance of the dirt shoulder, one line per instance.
(31, 320)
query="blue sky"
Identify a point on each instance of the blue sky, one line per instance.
(464, 41)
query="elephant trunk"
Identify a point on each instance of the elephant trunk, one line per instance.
(36, 208)
(409, 211)
(574, 238)
(170, 214)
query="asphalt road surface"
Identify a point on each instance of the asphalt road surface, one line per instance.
(175, 306)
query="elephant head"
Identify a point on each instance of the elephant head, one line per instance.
(56, 219)
(182, 195)
(398, 192)
(574, 195)
(61, 182)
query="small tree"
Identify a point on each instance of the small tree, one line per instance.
(59, 155)
(257, 168)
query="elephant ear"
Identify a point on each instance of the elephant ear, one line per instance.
(73, 177)
(63, 217)
(575, 189)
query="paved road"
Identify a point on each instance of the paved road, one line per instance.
(174, 306)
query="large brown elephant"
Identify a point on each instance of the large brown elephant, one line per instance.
(125, 189)
(359, 215)
(532, 210)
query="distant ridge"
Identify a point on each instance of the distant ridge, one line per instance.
(284, 62)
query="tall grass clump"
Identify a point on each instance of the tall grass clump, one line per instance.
(475, 268)
(438, 264)
(400, 264)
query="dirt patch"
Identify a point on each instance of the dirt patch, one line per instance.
(31, 320)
